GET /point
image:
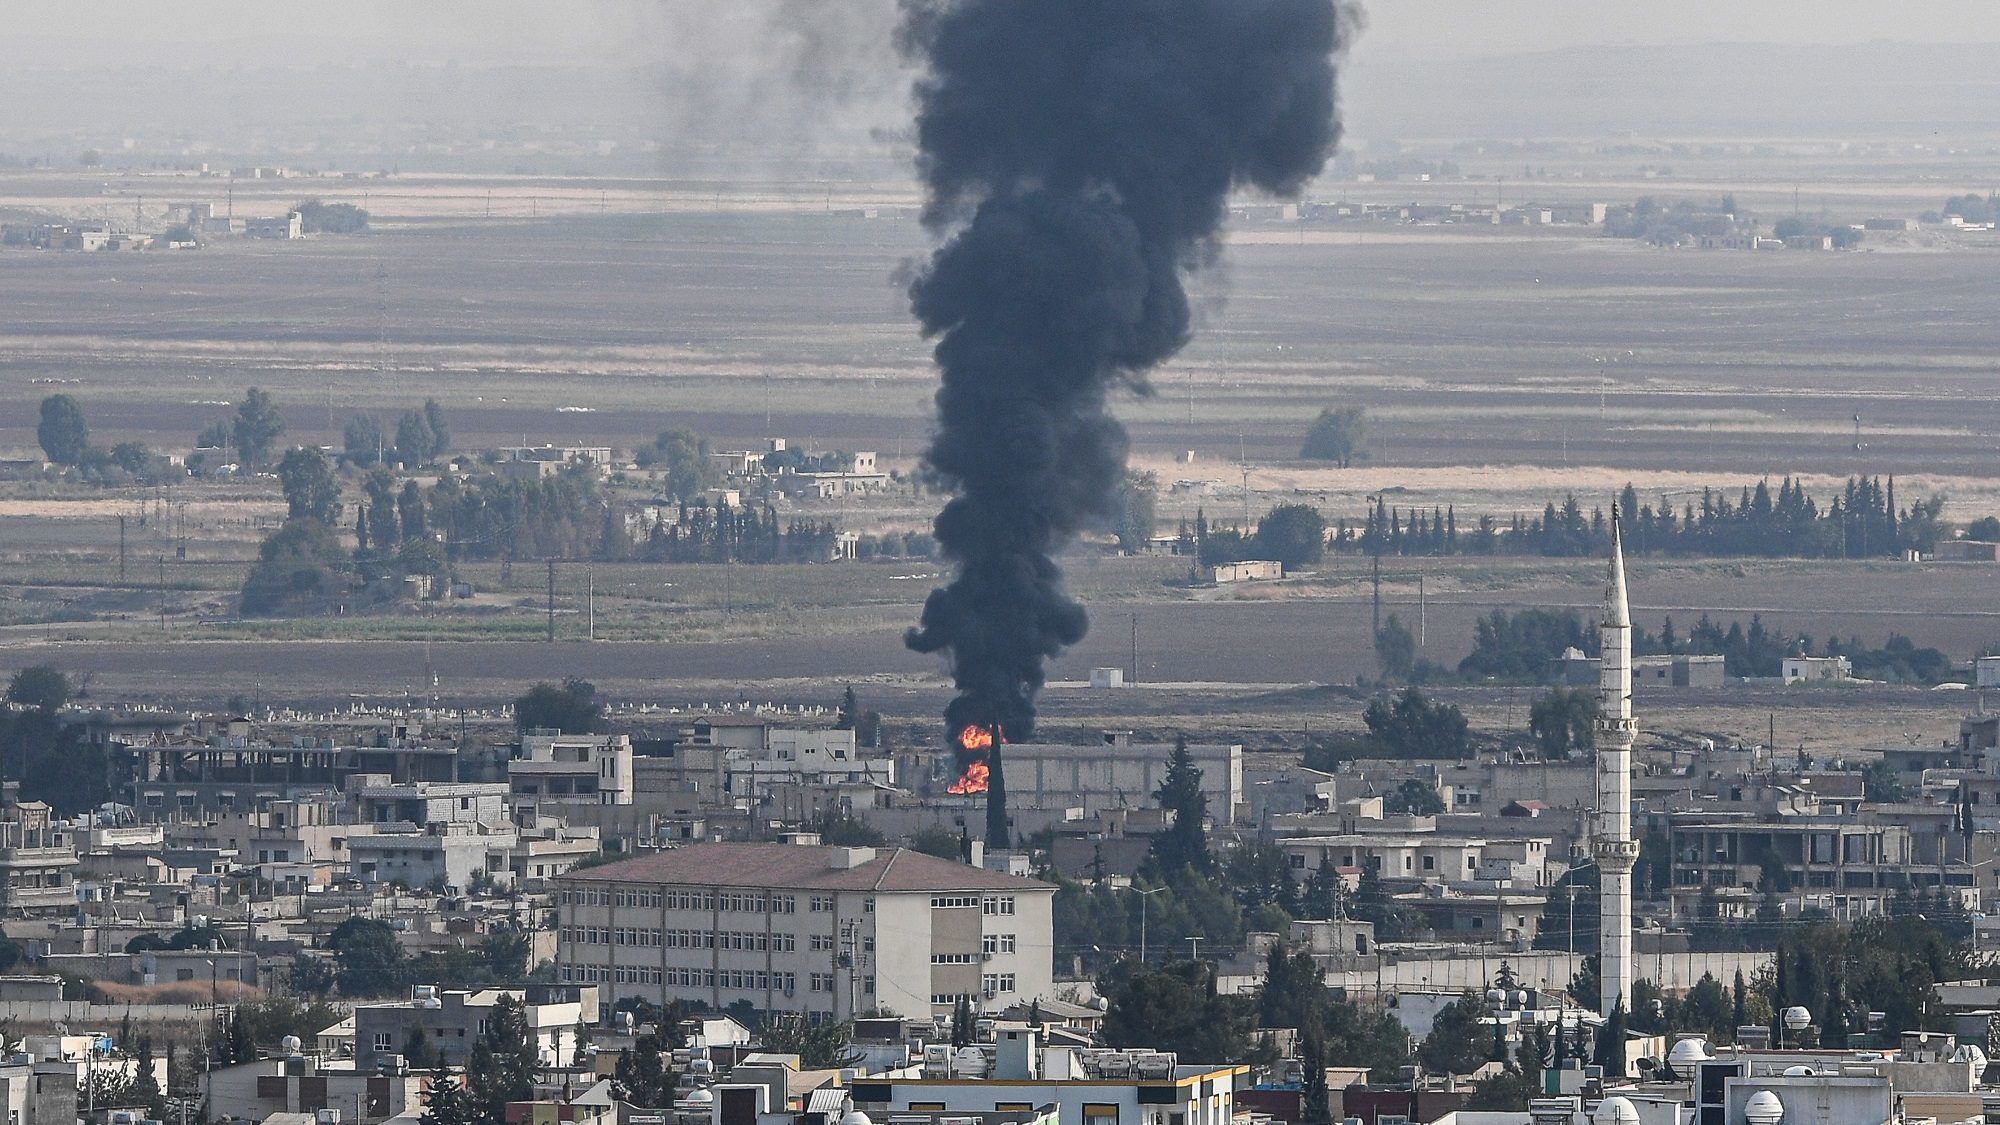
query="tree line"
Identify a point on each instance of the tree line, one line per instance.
(1862, 522)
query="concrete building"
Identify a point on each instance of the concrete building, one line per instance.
(426, 832)
(1114, 773)
(827, 931)
(1086, 1087)
(1612, 845)
(288, 226)
(37, 858)
(568, 769)
(454, 1020)
(1815, 669)
(1249, 570)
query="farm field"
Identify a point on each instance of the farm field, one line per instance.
(1499, 369)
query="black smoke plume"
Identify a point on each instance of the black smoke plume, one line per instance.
(1080, 153)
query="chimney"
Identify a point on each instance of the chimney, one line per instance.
(975, 853)
(847, 859)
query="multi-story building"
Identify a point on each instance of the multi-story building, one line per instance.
(1846, 866)
(570, 769)
(36, 857)
(454, 1020)
(826, 931)
(1117, 772)
(1515, 863)
(424, 832)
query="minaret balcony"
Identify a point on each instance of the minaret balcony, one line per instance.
(1615, 855)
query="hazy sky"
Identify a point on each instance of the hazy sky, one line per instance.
(83, 32)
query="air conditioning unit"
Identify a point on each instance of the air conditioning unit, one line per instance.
(987, 956)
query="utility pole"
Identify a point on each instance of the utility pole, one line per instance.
(1378, 590)
(121, 549)
(552, 601)
(1135, 650)
(1423, 614)
(1194, 948)
(590, 598)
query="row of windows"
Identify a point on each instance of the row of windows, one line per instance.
(752, 941)
(990, 904)
(741, 979)
(956, 958)
(749, 902)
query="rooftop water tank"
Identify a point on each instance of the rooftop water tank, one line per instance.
(1615, 1111)
(1764, 1108)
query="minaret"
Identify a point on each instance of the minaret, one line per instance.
(1612, 845)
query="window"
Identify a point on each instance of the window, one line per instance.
(945, 902)
(385, 1040)
(1298, 861)
(996, 983)
(1430, 863)
(998, 943)
(822, 982)
(1000, 904)
(954, 958)
(821, 904)
(868, 985)
(820, 943)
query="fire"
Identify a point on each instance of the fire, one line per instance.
(979, 741)
(973, 781)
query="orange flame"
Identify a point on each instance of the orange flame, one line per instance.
(974, 780)
(977, 740)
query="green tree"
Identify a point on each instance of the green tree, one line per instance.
(1611, 1043)
(1174, 1007)
(963, 1031)
(819, 1046)
(236, 1045)
(937, 840)
(446, 1102)
(685, 461)
(1294, 990)
(1372, 1038)
(369, 960)
(1412, 726)
(1184, 845)
(1395, 649)
(42, 687)
(645, 1074)
(843, 826)
(1457, 1041)
(1136, 524)
(1293, 534)
(144, 1090)
(1414, 797)
(501, 1068)
(311, 492)
(299, 565)
(256, 429)
(439, 427)
(414, 438)
(1338, 435)
(64, 436)
(418, 1050)
(572, 708)
(1564, 723)
(317, 216)
(1316, 1103)
(362, 440)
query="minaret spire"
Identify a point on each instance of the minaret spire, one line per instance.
(1612, 845)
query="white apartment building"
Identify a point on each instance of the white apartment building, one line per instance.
(791, 757)
(1432, 858)
(425, 831)
(826, 931)
(571, 769)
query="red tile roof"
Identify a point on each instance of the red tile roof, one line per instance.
(796, 866)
